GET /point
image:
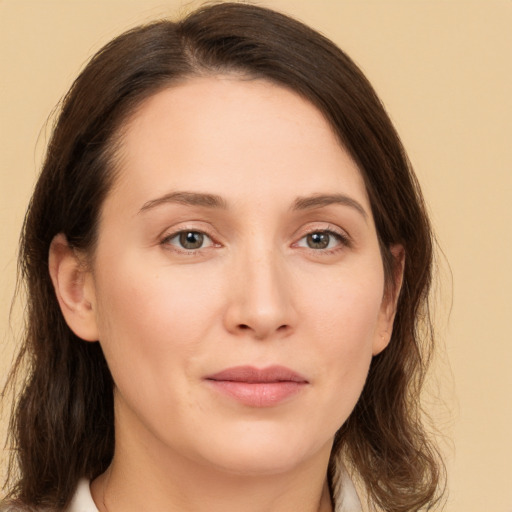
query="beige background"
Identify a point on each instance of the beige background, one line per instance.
(443, 69)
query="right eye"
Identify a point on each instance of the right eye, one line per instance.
(189, 240)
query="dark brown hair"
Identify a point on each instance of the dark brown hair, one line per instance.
(62, 426)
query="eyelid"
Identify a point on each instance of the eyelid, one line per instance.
(172, 236)
(169, 234)
(340, 234)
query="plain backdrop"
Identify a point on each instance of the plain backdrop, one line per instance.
(443, 70)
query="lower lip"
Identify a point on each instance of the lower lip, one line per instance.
(258, 394)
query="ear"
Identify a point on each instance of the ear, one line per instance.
(74, 288)
(389, 301)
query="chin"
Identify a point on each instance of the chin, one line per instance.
(259, 464)
(265, 453)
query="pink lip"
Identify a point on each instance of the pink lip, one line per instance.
(258, 387)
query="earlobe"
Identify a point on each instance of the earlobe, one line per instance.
(390, 301)
(74, 288)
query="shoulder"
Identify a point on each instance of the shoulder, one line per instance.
(16, 506)
(81, 502)
(13, 506)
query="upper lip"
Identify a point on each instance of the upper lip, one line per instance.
(253, 375)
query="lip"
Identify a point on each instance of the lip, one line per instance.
(254, 387)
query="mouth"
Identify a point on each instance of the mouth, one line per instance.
(255, 387)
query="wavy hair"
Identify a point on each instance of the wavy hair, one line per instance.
(62, 426)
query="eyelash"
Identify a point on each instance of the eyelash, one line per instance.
(342, 241)
(166, 241)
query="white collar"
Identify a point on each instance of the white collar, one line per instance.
(82, 500)
(345, 495)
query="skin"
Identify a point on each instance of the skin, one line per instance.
(257, 292)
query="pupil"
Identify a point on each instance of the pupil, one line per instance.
(191, 240)
(318, 240)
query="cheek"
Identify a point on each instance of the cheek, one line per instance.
(146, 321)
(347, 308)
(345, 324)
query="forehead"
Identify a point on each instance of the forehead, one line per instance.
(232, 136)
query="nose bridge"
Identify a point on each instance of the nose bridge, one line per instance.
(262, 303)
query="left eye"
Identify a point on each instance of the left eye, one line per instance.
(320, 240)
(189, 240)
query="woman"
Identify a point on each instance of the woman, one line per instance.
(227, 261)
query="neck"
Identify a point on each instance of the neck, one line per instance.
(118, 490)
(147, 479)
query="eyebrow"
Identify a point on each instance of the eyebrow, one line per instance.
(321, 200)
(186, 198)
(215, 201)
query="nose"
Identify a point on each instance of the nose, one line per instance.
(261, 297)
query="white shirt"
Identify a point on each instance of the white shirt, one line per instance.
(346, 497)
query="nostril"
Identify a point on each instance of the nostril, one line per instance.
(245, 327)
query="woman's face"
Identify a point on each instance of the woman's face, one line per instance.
(237, 285)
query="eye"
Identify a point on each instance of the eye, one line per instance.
(189, 240)
(321, 240)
